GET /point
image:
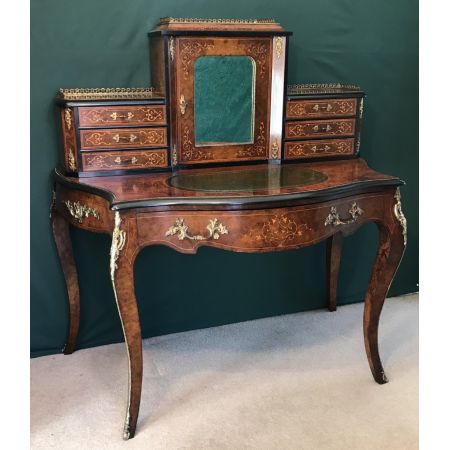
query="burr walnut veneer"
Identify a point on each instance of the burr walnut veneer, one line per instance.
(277, 208)
(223, 170)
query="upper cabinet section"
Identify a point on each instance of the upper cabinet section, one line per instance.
(224, 83)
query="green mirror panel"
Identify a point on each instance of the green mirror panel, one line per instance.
(224, 100)
(265, 177)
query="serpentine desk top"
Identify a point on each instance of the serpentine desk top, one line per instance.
(235, 187)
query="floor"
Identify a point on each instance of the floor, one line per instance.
(299, 381)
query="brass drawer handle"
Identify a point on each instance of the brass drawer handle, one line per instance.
(318, 107)
(324, 148)
(119, 138)
(214, 227)
(182, 105)
(132, 160)
(322, 128)
(115, 116)
(333, 218)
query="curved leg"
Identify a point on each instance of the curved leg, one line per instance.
(390, 251)
(334, 247)
(123, 253)
(63, 242)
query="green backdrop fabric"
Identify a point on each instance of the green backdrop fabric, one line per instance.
(103, 43)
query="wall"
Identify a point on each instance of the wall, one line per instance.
(103, 43)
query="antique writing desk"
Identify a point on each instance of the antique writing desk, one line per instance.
(136, 165)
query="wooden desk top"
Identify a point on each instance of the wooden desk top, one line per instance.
(235, 187)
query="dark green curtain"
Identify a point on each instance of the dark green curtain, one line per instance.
(103, 43)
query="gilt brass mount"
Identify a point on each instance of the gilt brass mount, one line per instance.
(117, 244)
(214, 227)
(80, 211)
(399, 215)
(182, 105)
(333, 218)
(71, 160)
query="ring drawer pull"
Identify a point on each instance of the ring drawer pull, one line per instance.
(318, 107)
(132, 160)
(333, 218)
(322, 129)
(115, 116)
(119, 138)
(214, 227)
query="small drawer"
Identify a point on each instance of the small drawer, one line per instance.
(124, 160)
(97, 116)
(123, 138)
(304, 109)
(319, 148)
(320, 128)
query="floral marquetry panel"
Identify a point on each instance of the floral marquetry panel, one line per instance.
(320, 128)
(278, 230)
(120, 160)
(321, 108)
(318, 148)
(123, 137)
(121, 115)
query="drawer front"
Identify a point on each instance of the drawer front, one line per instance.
(123, 138)
(304, 109)
(320, 128)
(319, 148)
(90, 116)
(84, 210)
(257, 230)
(124, 160)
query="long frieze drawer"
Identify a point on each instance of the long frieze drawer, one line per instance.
(320, 128)
(123, 138)
(319, 148)
(90, 116)
(124, 160)
(263, 230)
(304, 109)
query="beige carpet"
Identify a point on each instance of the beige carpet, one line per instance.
(298, 381)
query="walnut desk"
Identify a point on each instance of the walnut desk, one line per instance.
(253, 208)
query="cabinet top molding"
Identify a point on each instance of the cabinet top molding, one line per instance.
(108, 93)
(322, 88)
(167, 20)
(267, 25)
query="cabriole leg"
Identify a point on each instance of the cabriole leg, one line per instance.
(334, 247)
(63, 242)
(390, 251)
(123, 253)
